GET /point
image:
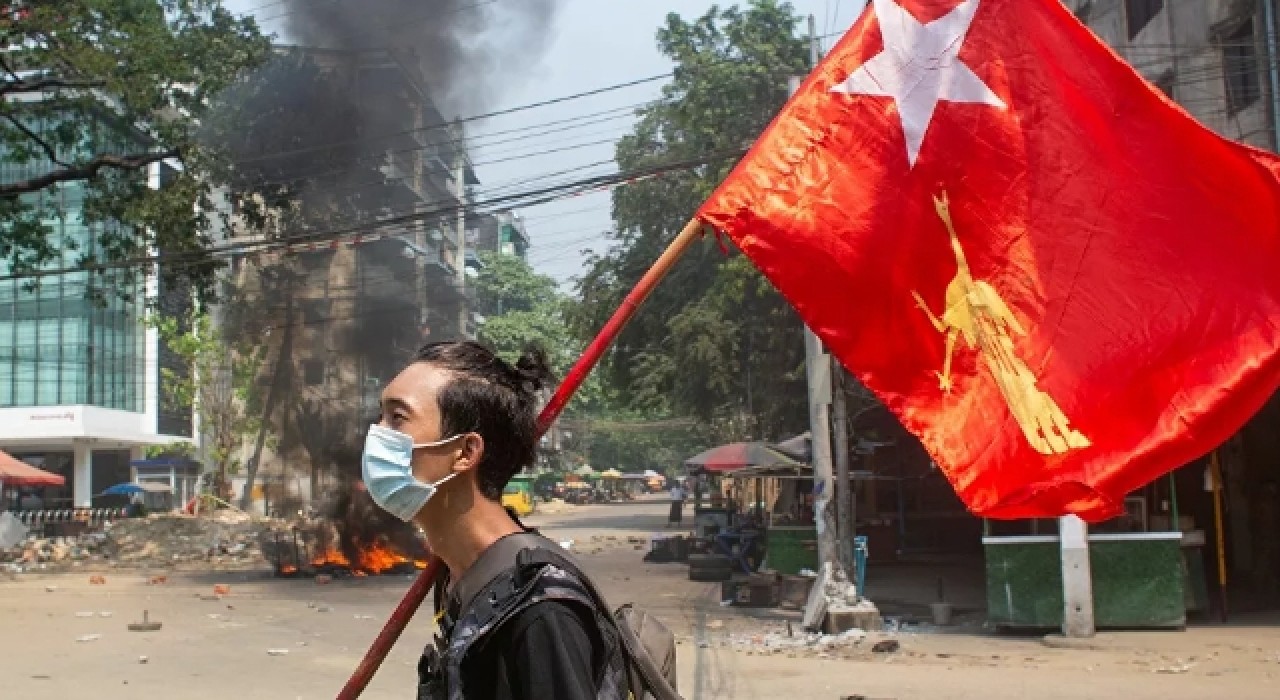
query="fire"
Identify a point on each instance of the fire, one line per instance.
(375, 558)
(288, 570)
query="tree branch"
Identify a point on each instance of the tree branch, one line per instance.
(23, 85)
(86, 171)
(49, 151)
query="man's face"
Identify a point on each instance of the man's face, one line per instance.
(409, 405)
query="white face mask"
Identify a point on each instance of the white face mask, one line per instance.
(387, 466)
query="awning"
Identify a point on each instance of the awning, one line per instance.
(14, 472)
(738, 455)
(802, 471)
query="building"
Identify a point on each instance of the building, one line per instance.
(1218, 60)
(80, 379)
(1211, 56)
(499, 232)
(341, 317)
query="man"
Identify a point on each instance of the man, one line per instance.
(677, 505)
(455, 426)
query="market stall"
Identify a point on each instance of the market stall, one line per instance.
(1147, 567)
(21, 484)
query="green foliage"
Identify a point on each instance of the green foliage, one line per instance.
(524, 309)
(181, 449)
(92, 92)
(630, 441)
(714, 341)
(217, 381)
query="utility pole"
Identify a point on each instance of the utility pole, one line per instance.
(844, 487)
(460, 182)
(818, 374)
(834, 604)
(273, 392)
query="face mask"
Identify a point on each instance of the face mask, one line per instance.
(388, 472)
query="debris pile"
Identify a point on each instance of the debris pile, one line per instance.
(224, 539)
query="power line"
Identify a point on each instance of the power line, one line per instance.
(530, 198)
(489, 115)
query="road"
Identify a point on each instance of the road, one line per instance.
(217, 649)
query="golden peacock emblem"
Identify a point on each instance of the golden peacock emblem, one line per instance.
(975, 312)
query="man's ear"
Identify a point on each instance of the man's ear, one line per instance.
(470, 454)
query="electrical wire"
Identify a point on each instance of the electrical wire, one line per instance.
(526, 198)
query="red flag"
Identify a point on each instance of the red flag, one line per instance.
(1055, 277)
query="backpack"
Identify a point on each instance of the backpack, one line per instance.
(647, 646)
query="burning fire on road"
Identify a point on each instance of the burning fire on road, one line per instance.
(352, 538)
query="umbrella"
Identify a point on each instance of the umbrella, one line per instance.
(737, 455)
(123, 490)
(16, 473)
(585, 470)
(611, 474)
(800, 447)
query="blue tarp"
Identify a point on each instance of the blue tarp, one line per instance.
(122, 490)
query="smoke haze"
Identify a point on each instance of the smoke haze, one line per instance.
(469, 49)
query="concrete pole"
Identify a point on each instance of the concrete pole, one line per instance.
(844, 487)
(81, 474)
(818, 373)
(1273, 71)
(460, 182)
(1077, 578)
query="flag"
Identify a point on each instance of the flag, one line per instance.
(1056, 278)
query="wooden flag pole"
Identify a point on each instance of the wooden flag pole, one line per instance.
(417, 592)
(1220, 535)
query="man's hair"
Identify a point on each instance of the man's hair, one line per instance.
(490, 397)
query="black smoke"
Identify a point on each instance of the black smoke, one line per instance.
(469, 50)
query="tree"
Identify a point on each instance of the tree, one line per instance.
(92, 93)
(715, 341)
(524, 309)
(218, 381)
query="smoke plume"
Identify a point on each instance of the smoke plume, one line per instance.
(470, 49)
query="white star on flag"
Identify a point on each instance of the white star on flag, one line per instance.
(920, 67)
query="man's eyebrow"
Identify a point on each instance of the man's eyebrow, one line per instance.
(393, 403)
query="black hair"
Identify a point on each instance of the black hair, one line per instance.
(488, 396)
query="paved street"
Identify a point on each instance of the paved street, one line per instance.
(219, 649)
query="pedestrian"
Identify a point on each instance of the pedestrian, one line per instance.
(455, 426)
(677, 505)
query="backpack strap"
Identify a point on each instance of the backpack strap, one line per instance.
(548, 552)
(494, 562)
(526, 548)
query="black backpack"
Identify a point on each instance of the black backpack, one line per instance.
(648, 647)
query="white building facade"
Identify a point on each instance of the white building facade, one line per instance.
(80, 377)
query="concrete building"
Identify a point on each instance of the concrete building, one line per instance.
(343, 316)
(80, 380)
(1211, 56)
(499, 232)
(1218, 59)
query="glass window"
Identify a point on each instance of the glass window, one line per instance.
(1139, 14)
(1240, 68)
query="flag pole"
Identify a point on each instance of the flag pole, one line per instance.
(417, 592)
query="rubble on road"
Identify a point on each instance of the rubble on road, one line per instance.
(780, 642)
(222, 540)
